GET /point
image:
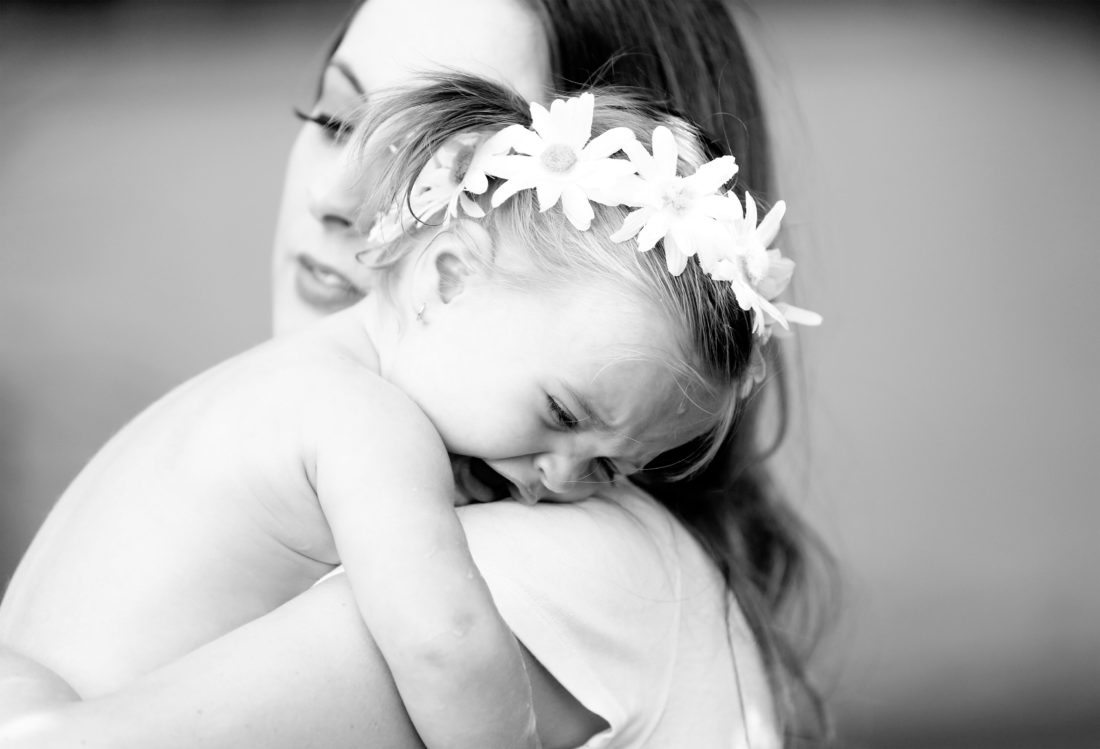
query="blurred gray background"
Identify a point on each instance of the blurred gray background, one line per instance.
(942, 161)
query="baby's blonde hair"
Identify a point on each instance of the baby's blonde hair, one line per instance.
(399, 134)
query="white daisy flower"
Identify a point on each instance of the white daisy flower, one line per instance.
(682, 211)
(457, 168)
(757, 274)
(560, 160)
(453, 173)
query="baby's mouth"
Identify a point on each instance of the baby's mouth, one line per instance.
(475, 479)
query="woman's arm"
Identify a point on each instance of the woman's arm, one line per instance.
(308, 674)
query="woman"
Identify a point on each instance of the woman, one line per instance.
(608, 657)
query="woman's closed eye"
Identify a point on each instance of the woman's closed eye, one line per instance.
(335, 129)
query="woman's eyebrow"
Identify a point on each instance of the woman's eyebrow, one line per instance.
(346, 71)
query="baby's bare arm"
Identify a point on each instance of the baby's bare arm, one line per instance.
(384, 483)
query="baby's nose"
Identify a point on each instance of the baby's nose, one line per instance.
(566, 475)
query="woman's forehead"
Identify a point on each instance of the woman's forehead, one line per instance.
(389, 42)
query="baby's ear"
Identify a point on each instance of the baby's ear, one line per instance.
(452, 270)
(457, 255)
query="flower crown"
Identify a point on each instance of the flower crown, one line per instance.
(559, 159)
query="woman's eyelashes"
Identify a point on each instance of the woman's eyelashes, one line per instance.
(333, 127)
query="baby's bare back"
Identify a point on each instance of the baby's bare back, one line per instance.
(197, 517)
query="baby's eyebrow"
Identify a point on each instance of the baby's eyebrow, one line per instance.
(588, 413)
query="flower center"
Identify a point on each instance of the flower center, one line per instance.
(558, 157)
(755, 265)
(461, 164)
(675, 197)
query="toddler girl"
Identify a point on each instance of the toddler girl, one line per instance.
(564, 347)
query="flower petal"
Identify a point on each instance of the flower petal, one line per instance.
(471, 207)
(798, 315)
(770, 309)
(605, 144)
(542, 121)
(580, 124)
(654, 230)
(516, 137)
(664, 151)
(602, 176)
(684, 236)
(719, 207)
(508, 189)
(769, 226)
(475, 182)
(750, 210)
(548, 193)
(502, 141)
(745, 295)
(633, 223)
(675, 258)
(577, 208)
(735, 205)
(777, 276)
(641, 159)
(511, 167)
(711, 243)
(628, 190)
(712, 175)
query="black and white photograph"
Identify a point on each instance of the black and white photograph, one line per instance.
(549, 374)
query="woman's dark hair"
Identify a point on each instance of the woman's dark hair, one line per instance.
(689, 57)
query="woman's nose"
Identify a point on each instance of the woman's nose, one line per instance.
(334, 198)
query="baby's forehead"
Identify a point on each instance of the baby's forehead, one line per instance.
(652, 403)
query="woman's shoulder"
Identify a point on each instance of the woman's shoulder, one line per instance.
(621, 544)
(623, 516)
(614, 596)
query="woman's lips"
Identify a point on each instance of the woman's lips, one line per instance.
(322, 286)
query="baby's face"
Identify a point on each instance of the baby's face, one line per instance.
(556, 390)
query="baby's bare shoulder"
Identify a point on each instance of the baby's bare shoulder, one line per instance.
(343, 399)
(360, 403)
